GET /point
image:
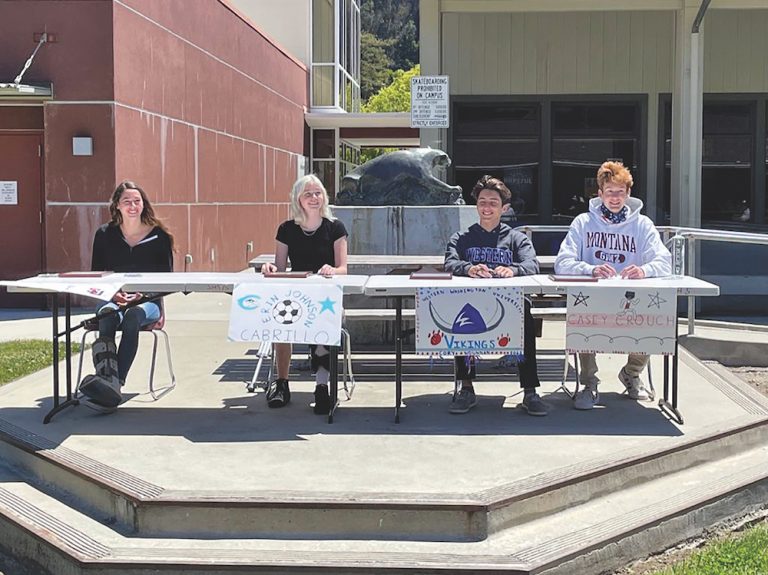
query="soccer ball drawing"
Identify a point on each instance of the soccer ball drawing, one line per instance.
(286, 312)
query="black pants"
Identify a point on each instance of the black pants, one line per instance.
(464, 366)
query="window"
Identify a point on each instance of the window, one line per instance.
(501, 140)
(550, 183)
(727, 167)
(336, 54)
(726, 171)
(584, 135)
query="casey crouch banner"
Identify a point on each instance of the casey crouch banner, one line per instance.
(621, 320)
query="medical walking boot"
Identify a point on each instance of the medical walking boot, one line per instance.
(103, 388)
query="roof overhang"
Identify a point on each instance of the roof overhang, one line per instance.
(330, 120)
(383, 130)
(12, 91)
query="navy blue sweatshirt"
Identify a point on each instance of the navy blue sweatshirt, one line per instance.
(501, 247)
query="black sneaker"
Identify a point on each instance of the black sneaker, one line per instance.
(322, 400)
(464, 401)
(278, 393)
(533, 405)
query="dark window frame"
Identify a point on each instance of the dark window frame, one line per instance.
(545, 135)
(759, 110)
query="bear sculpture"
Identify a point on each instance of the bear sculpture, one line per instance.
(404, 177)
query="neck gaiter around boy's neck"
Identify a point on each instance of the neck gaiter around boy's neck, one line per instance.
(616, 218)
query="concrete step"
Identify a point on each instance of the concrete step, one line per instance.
(46, 536)
(142, 508)
(209, 480)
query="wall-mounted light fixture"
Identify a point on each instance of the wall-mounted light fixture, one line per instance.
(82, 146)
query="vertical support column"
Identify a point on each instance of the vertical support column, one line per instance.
(686, 121)
(337, 6)
(758, 203)
(430, 46)
(653, 155)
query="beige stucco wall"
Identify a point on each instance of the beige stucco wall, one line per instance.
(287, 22)
(736, 51)
(559, 53)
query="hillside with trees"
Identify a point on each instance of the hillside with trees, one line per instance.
(389, 41)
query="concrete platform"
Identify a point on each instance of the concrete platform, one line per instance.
(209, 480)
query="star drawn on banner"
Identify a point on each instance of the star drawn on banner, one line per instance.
(580, 299)
(656, 300)
(327, 304)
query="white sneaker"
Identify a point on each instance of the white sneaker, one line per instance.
(634, 386)
(587, 398)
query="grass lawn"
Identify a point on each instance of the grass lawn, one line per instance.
(24, 356)
(744, 553)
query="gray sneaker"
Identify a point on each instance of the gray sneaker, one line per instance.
(533, 405)
(587, 398)
(464, 401)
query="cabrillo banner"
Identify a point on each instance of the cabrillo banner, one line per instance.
(621, 320)
(469, 321)
(287, 313)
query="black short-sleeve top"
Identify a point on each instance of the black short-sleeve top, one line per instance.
(308, 252)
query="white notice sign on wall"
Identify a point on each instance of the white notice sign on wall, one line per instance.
(429, 102)
(9, 193)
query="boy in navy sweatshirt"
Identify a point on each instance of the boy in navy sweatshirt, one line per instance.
(492, 249)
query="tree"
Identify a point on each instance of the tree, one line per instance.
(397, 23)
(396, 97)
(375, 64)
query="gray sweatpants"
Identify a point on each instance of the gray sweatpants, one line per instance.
(636, 363)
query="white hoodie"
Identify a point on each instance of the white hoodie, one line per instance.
(592, 240)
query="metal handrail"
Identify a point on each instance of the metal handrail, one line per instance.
(683, 242)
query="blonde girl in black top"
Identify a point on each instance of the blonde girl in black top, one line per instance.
(314, 241)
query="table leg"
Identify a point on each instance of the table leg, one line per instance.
(671, 408)
(55, 339)
(398, 356)
(334, 380)
(56, 335)
(68, 343)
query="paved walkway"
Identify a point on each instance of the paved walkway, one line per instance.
(211, 435)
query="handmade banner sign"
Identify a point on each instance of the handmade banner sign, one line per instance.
(469, 321)
(287, 313)
(621, 320)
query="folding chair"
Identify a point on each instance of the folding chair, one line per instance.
(265, 352)
(92, 326)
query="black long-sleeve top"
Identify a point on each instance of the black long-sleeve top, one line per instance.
(112, 253)
(502, 246)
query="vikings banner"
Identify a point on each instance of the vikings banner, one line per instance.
(469, 321)
(621, 320)
(287, 313)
